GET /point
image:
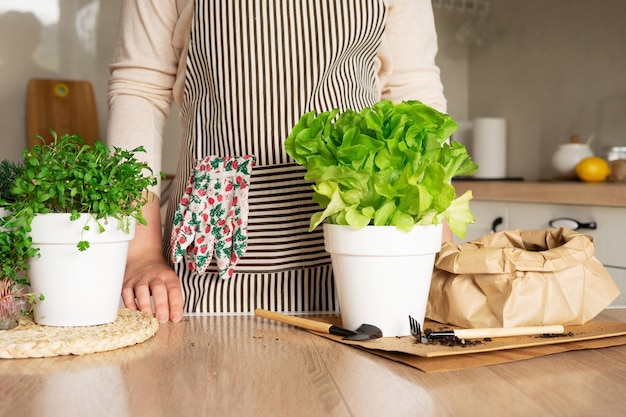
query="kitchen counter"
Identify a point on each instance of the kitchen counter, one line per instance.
(247, 366)
(555, 192)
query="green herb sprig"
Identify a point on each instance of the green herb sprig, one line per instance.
(385, 165)
(8, 171)
(15, 251)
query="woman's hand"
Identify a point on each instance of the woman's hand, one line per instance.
(148, 275)
(151, 277)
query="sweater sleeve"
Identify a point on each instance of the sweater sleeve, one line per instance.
(407, 54)
(143, 74)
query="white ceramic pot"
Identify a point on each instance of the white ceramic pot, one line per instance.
(382, 274)
(80, 288)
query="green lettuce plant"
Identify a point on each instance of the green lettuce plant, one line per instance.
(390, 164)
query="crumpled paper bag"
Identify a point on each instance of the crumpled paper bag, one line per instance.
(520, 278)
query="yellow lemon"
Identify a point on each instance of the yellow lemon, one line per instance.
(593, 169)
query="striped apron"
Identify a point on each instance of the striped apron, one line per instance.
(253, 68)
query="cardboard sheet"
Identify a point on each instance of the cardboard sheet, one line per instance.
(435, 357)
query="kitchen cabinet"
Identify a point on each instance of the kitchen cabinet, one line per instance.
(490, 216)
(609, 233)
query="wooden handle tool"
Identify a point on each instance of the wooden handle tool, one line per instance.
(365, 332)
(497, 332)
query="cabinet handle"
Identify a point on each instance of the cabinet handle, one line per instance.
(495, 223)
(573, 224)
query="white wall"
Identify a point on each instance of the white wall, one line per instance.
(550, 69)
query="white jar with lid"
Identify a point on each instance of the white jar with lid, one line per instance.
(568, 155)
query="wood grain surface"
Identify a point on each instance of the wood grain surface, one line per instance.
(553, 192)
(66, 106)
(247, 366)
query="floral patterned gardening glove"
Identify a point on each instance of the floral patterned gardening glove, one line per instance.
(212, 216)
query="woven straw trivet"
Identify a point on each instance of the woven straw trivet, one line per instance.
(30, 340)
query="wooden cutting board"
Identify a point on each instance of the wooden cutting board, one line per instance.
(66, 106)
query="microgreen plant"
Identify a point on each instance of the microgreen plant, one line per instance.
(64, 176)
(69, 176)
(385, 165)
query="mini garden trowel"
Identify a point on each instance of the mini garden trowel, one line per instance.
(364, 332)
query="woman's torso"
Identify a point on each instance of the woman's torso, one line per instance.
(253, 68)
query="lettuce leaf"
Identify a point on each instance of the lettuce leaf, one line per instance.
(389, 164)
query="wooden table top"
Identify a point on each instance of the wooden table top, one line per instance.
(247, 366)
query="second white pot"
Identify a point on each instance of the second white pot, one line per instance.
(80, 288)
(382, 274)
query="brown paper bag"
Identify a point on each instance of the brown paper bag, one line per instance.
(520, 278)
